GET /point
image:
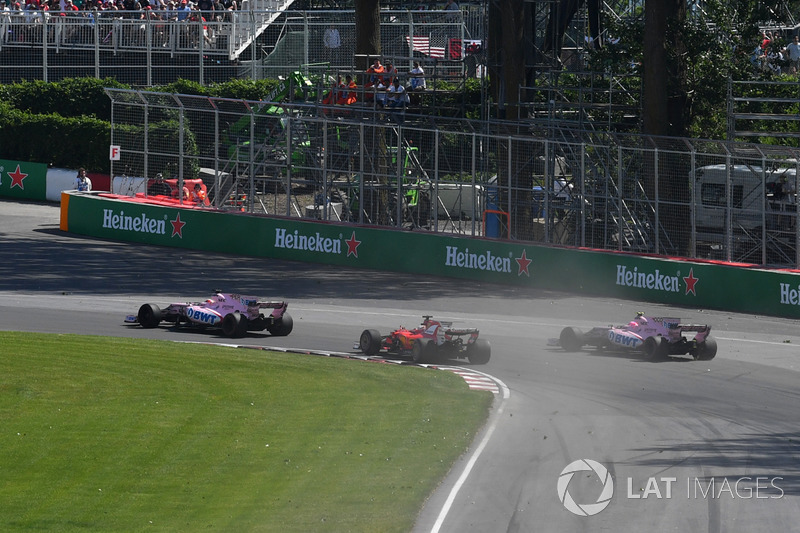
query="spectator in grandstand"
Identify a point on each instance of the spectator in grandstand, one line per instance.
(350, 95)
(183, 11)
(793, 51)
(391, 74)
(380, 94)
(452, 10)
(206, 8)
(333, 42)
(417, 78)
(82, 181)
(375, 73)
(396, 95)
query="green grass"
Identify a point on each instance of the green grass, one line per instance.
(105, 434)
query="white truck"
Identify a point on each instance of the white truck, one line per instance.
(757, 198)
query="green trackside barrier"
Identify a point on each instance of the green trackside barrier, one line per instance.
(681, 283)
(23, 180)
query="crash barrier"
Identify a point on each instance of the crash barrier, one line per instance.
(592, 272)
(35, 181)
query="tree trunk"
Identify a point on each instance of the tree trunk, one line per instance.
(368, 31)
(664, 114)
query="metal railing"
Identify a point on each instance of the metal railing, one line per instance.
(381, 166)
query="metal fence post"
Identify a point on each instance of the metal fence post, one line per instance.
(657, 206)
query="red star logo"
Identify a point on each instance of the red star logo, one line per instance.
(690, 282)
(177, 226)
(523, 263)
(352, 245)
(16, 178)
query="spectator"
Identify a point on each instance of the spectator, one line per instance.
(348, 97)
(417, 76)
(333, 42)
(159, 187)
(200, 194)
(793, 51)
(391, 74)
(397, 95)
(82, 181)
(375, 73)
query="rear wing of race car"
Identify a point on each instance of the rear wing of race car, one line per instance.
(694, 327)
(462, 331)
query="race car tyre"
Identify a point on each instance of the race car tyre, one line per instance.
(234, 325)
(282, 327)
(370, 342)
(656, 348)
(571, 339)
(707, 350)
(479, 352)
(423, 351)
(149, 316)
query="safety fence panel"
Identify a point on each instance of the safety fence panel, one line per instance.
(377, 166)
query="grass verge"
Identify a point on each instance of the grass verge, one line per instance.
(107, 434)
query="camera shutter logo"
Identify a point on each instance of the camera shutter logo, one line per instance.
(587, 509)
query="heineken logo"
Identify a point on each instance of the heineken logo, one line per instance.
(656, 280)
(141, 223)
(790, 295)
(315, 242)
(486, 261)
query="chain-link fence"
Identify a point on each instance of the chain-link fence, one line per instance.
(386, 166)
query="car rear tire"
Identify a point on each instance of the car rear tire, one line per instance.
(479, 352)
(370, 342)
(283, 326)
(149, 316)
(571, 339)
(656, 348)
(707, 350)
(422, 351)
(234, 325)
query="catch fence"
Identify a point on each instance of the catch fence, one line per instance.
(363, 164)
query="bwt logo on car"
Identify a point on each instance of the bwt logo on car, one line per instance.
(623, 340)
(139, 223)
(202, 316)
(647, 280)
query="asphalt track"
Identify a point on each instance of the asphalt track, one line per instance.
(690, 446)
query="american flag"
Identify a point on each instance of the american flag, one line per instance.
(422, 44)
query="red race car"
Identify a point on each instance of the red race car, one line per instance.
(432, 340)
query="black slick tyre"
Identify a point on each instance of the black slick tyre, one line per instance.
(655, 348)
(370, 342)
(283, 326)
(706, 350)
(149, 316)
(422, 351)
(233, 324)
(571, 339)
(479, 352)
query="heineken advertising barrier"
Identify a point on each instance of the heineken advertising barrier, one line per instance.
(25, 181)
(654, 279)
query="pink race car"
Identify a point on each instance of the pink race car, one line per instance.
(429, 341)
(656, 337)
(233, 313)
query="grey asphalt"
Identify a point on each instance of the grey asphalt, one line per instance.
(693, 446)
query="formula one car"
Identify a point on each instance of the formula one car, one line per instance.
(233, 313)
(426, 343)
(655, 337)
